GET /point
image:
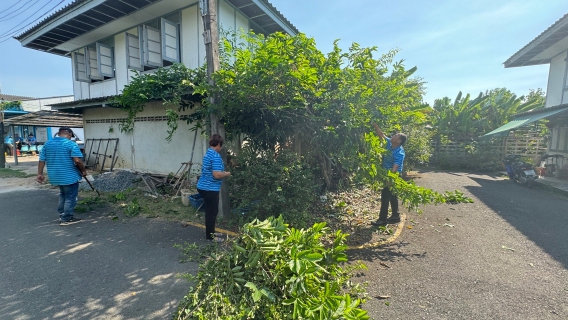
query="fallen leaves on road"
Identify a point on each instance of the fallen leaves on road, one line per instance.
(384, 264)
(383, 297)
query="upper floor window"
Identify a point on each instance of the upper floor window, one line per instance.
(157, 44)
(95, 62)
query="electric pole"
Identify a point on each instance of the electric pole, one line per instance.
(2, 154)
(211, 37)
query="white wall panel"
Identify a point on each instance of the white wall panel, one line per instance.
(226, 17)
(555, 80)
(85, 93)
(242, 22)
(76, 84)
(103, 88)
(191, 39)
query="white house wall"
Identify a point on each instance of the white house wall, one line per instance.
(192, 44)
(103, 88)
(556, 80)
(146, 149)
(120, 69)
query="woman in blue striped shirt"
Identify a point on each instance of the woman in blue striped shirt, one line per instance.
(209, 184)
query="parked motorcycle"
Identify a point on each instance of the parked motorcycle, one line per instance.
(520, 171)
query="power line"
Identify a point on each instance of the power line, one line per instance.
(17, 10)
(8, 33)
(10, 6)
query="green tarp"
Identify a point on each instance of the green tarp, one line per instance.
(522, 120)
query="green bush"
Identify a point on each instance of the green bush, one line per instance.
(267, 183)
(274, 272)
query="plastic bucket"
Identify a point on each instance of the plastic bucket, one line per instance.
(185, 197)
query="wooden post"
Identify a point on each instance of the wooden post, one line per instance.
(211, 39)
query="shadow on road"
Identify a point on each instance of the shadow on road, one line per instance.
(97, 269)
(539, 215)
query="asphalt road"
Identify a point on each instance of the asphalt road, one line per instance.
(97, 269)
(503, 257)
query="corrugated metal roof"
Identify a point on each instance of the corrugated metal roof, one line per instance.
(82, 103)
(115, 9)
(9, 97)
(47, 119)
(525, 118)
(556, 32)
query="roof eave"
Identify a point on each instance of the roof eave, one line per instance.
(513, 61)
(78, 7)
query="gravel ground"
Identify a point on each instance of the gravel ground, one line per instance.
(117, 180)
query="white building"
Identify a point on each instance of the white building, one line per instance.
(107, 39)
(550, 47)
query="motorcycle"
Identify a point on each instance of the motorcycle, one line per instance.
(520, 171)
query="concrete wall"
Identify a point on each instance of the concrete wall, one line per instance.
(146, 149)
(556, 81)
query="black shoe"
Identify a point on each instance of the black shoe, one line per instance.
(69, 222)
(379, 223)
(393, 220)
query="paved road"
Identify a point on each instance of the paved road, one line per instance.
(98, 269)
(506, 256)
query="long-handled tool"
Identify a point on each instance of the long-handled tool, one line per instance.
(90, 185)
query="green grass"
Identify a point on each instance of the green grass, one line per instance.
(11, 173)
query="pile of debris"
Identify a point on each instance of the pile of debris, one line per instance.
(154, 184)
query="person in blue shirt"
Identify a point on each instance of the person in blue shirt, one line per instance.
(32, 140)
(64, 168)
(8, 144)
(209, 184)
(393, 160)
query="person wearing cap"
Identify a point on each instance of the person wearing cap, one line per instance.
(19, 141)
(31, 139)
(65, 169)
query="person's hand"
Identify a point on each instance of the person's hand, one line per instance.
(40, 178)
(228, 173)
(84, 173)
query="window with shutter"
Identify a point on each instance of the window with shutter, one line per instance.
(133, 52)
(92, 67)
(170, 41)
(105, 55)
(152, 47)
(80, 67)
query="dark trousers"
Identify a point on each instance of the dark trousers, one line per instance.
(388, 197)
(211, 199)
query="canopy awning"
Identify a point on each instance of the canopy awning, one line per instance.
(47, 119)
(523, 119)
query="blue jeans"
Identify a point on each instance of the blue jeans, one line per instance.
(67, 201)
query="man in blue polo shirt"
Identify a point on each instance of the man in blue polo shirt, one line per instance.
(64, 168)
(393, 160)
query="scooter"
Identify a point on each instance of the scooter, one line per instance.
(520, 171)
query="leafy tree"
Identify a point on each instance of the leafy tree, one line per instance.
(11, 105)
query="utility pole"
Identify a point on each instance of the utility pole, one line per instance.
(211, 37)
(2, 154)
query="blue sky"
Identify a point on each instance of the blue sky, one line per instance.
(456, 45)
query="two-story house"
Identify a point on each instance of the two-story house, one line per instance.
(106, 40)
(550, 47)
